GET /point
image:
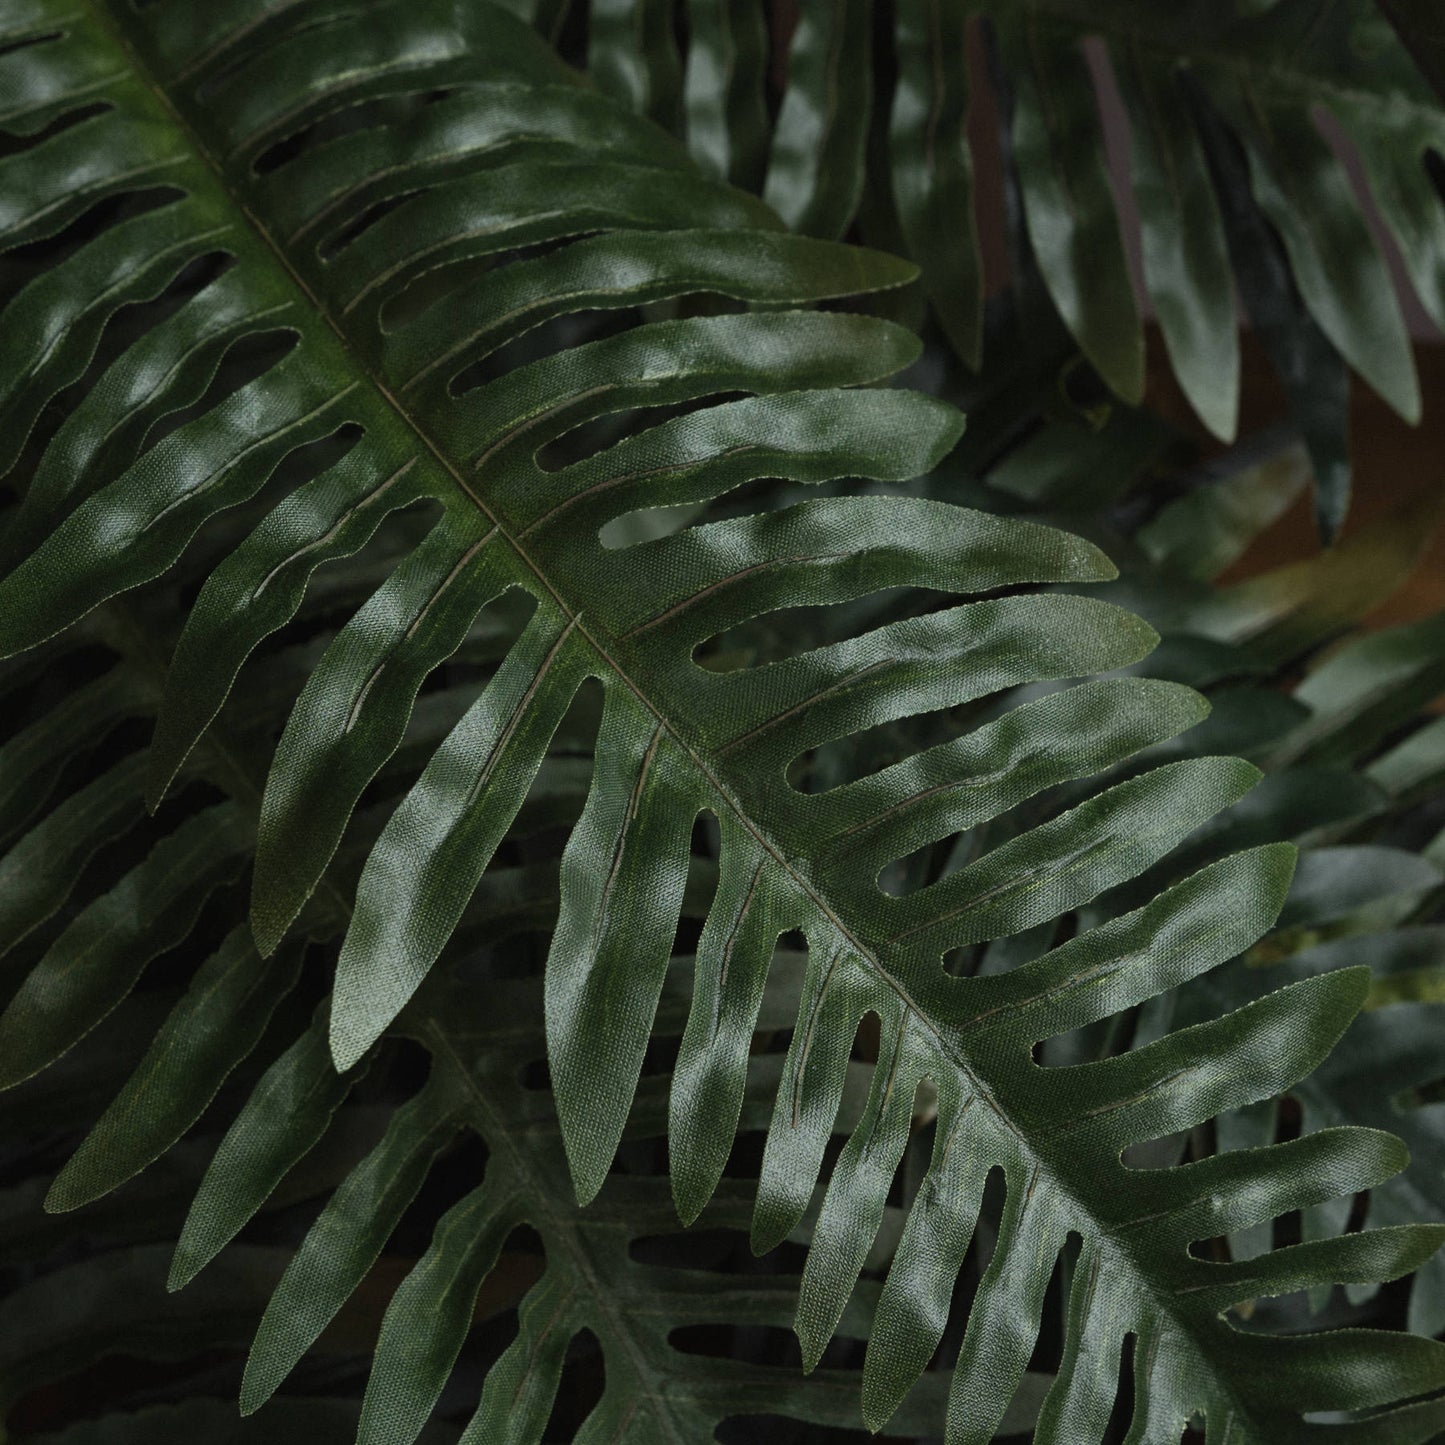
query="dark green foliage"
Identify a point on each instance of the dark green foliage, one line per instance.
(1232, 175)
(342, 430)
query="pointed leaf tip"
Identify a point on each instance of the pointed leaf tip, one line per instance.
(182, 1271)
(766, 1236)
(266, 933)
(587, 1177)
(1354, 986)
(1280, 860)
(65, 1195)
(347, 1042)
(689, 1203)
(812, 1343)
(56, 1197)
(876, 1413)
(882, 270)
(158, 783)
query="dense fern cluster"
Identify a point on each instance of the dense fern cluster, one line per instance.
(549, 805)
(1237, 121)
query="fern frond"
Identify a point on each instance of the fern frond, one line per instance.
(1379, 1077)
(1232, 178)
(400, 196)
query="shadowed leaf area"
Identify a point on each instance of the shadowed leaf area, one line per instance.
(579, 850)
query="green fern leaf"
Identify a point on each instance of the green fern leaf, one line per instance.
(354, 253)
(590, 1272)
(1230, 176)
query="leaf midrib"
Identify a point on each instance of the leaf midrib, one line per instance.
(541, 1200)
(496, 1130)
(195, 140)
(572, 615)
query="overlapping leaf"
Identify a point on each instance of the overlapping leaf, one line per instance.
(400, 194)
(1234, 170)
(600, 1273)
(1355, 771)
